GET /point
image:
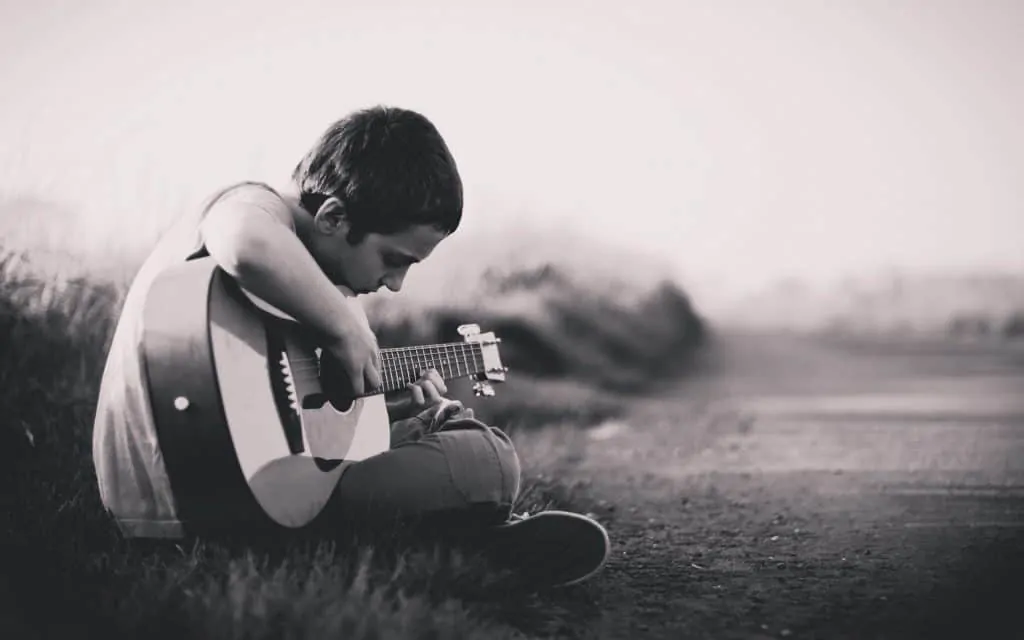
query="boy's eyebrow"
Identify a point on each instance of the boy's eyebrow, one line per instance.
(411, 259)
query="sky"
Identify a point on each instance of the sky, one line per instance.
(739, 141)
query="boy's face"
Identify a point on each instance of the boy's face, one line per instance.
(376, 261)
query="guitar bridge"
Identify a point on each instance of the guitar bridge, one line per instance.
(282, 386)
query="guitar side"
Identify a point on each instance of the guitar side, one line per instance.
(212, 361)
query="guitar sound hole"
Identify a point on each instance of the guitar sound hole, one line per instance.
(325, 465)
(332, 380)
(316, 401)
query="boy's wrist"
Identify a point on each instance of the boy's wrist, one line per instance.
(343, 325)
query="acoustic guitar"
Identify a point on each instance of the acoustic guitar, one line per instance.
(248, 415)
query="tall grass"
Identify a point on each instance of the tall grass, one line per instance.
(67, 571)
(54, 336)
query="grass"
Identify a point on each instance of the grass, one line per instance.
(67, 572)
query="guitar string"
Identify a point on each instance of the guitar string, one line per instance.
(416, 370)
(408, 352)
(417, 358)
(399, 363)
(394, 353)
(396, 383)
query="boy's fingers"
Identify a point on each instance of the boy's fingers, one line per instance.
(355, 378)
(417, 393)
(431, 391)
(434, 378)
(372, 377)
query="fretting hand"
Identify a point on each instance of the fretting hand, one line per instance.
(426, 392)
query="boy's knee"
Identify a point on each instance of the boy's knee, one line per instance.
(484, 465)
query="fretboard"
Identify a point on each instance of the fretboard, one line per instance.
(403, 365)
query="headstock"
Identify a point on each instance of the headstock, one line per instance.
(493, 371)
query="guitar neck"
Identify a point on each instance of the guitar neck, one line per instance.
(400, 366)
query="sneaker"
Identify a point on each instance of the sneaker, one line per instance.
(549, 548)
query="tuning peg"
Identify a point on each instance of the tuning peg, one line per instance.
(468, 330)
(483, 389)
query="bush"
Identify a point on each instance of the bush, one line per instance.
(553, 328)
(1013, 326)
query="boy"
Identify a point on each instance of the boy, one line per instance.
(375, 195)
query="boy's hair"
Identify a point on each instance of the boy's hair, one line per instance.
(389, 167)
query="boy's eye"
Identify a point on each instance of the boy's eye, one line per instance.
(394, 262)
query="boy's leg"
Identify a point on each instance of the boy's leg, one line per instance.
(460, 482)
(465, 471)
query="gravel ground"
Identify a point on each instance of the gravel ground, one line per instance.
(812, 488)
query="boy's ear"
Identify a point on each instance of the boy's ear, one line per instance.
(330, 218)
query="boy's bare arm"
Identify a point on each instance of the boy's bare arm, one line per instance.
(270, 261)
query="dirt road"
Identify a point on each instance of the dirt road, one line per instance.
(813, 488)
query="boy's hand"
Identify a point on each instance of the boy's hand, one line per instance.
(426, 392)
(357, 356)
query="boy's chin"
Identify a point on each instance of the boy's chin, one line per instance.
(347, 288)
(356, 291)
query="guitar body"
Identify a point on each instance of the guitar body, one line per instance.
(244, 425)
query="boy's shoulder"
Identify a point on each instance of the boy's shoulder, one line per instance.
(258, 195)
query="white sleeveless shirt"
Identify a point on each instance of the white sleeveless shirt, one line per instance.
(133, 482)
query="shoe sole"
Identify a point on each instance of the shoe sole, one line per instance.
(552, 525)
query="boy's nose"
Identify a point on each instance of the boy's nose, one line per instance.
(394, 281)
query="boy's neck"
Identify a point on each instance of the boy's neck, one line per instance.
(303, 220)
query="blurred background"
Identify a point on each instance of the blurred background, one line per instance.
(798, 164)
(827, 193)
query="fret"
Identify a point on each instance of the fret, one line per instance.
(414, 364)
(422, 362)
(396, 376)
(396, 372)
(405, 367)
(432, 355)
(452, 360)
(414, 368)
(400, 363)
(478, 358)
(384, 373)
(438, 360)
(429, 360)
(419, 364)
(435, 360)
(446, 368)
(390, 364)
(410, 363)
